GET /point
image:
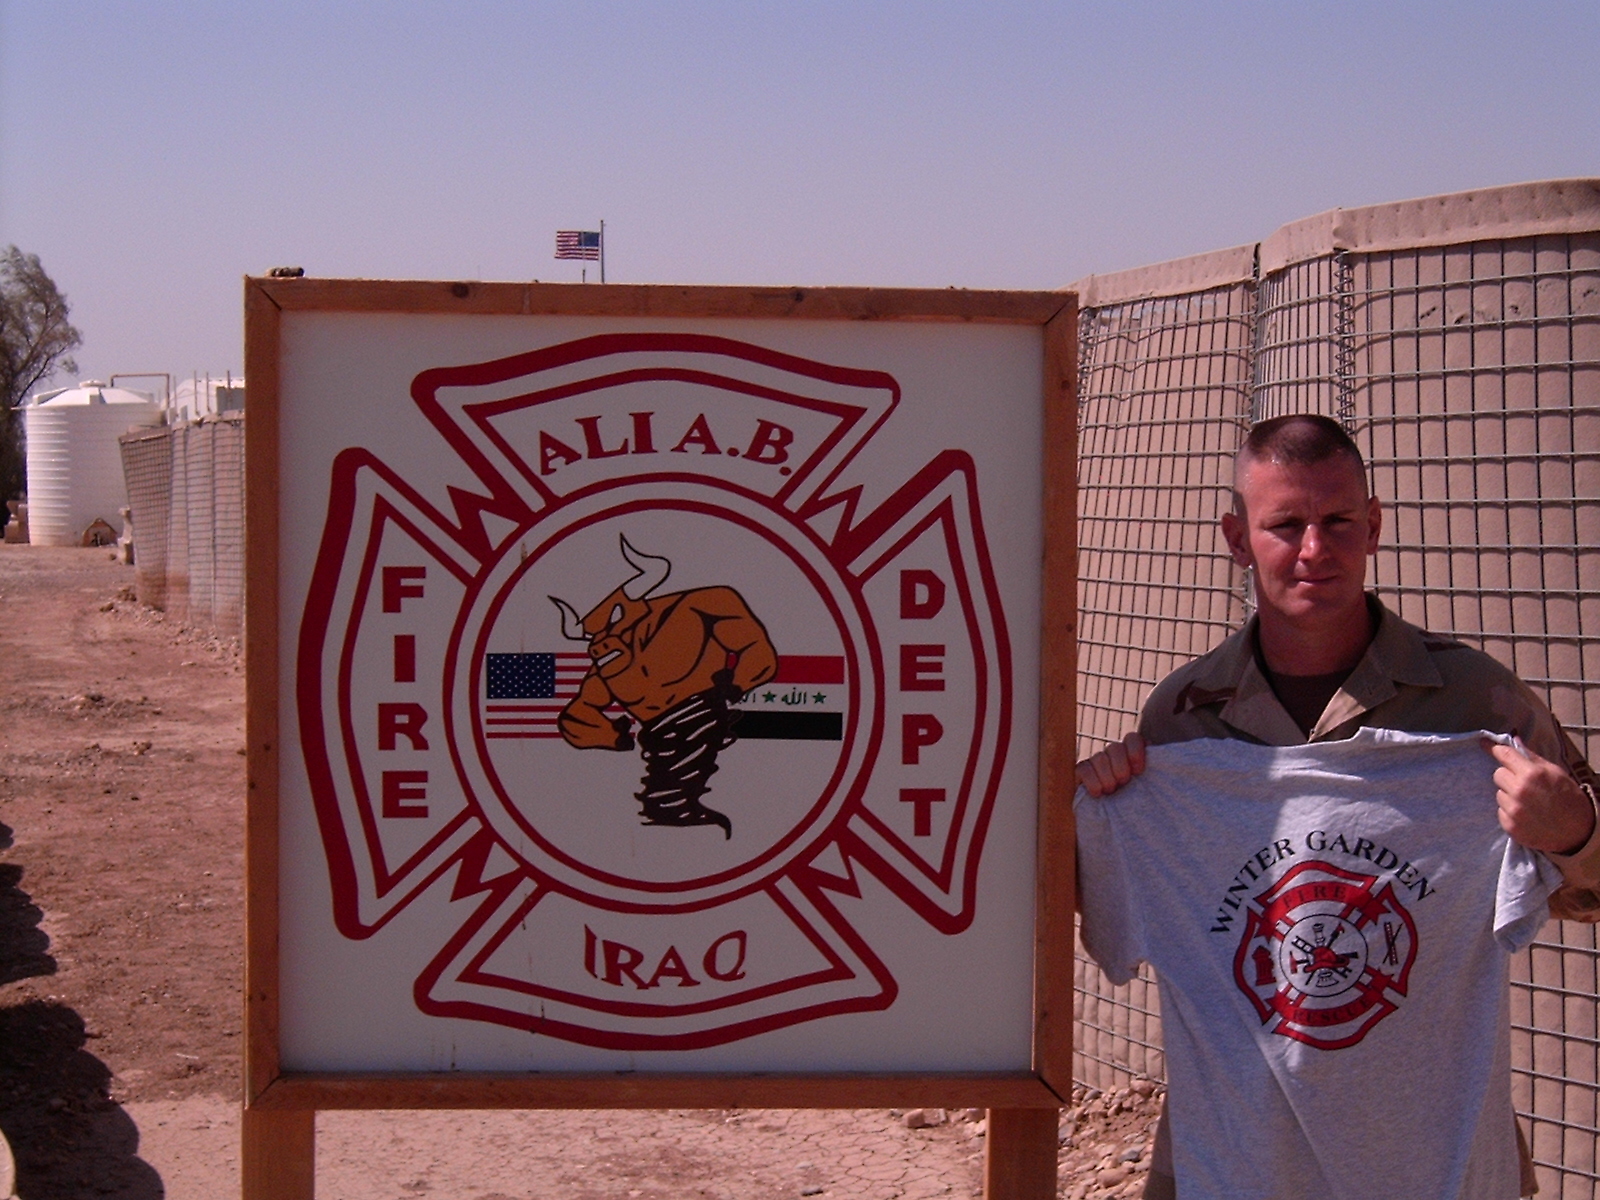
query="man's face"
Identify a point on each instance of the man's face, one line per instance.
(1307, 531)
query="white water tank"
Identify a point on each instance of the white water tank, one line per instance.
(74, 462)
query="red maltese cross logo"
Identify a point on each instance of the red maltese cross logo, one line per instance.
(1326, 954)
(622, 704)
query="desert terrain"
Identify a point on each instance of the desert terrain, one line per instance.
(121, 944)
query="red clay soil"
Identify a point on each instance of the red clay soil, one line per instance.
(121, 776)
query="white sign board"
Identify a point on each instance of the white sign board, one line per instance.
(655, 690)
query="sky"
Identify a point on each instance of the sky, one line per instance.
(152, 154)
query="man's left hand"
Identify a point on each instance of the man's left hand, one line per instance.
(1541, 806)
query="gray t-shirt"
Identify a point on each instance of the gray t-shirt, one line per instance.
(1330, 927)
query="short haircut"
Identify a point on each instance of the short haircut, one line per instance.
(1299, 440)
(1295, 440)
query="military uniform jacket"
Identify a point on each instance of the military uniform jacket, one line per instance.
(1408, 680)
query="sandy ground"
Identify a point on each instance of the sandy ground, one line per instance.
(121, 924)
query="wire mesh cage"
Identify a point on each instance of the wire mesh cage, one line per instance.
(1164, 388)
(226, 559)
(1459, 340)
(186, 492)
(1163, 394)
(147, 472)
(1477, 382)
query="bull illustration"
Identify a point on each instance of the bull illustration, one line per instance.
(674, 663)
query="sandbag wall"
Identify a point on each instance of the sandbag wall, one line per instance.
(186, 494)
(1458, 338)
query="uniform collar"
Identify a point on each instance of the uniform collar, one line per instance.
(1396, 657)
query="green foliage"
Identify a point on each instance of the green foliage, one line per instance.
(36, 340)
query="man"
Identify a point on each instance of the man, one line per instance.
(1321, 658)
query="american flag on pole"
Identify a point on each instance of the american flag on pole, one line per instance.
(578, 243)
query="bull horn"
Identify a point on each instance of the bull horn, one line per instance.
(571, 622)
(652, 574)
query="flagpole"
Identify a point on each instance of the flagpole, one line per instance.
(602, 251)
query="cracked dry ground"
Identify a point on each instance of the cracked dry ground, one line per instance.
(121, 915)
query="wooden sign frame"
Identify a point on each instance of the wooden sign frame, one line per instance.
(280, 1105)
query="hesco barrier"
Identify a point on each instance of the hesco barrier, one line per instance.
(186, 494)
(1458, 338)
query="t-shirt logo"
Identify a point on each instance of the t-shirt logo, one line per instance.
(1325, 954)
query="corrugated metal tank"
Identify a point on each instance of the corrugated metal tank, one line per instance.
(74, 462)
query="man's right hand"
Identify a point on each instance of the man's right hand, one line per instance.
(1105, 772)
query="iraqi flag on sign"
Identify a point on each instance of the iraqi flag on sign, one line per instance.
(804, 701)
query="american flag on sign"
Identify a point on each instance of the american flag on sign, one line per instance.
(804, 701)
(512, 679)
(578, 243)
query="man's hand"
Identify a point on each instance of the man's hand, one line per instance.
(1541, 806)
(724, 688)
(1105, 772)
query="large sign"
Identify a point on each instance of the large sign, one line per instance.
(658, 688)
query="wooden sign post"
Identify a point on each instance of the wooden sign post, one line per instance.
(658, 697)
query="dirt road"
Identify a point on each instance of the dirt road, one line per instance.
(121, 917)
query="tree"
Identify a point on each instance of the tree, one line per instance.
(36, 341)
